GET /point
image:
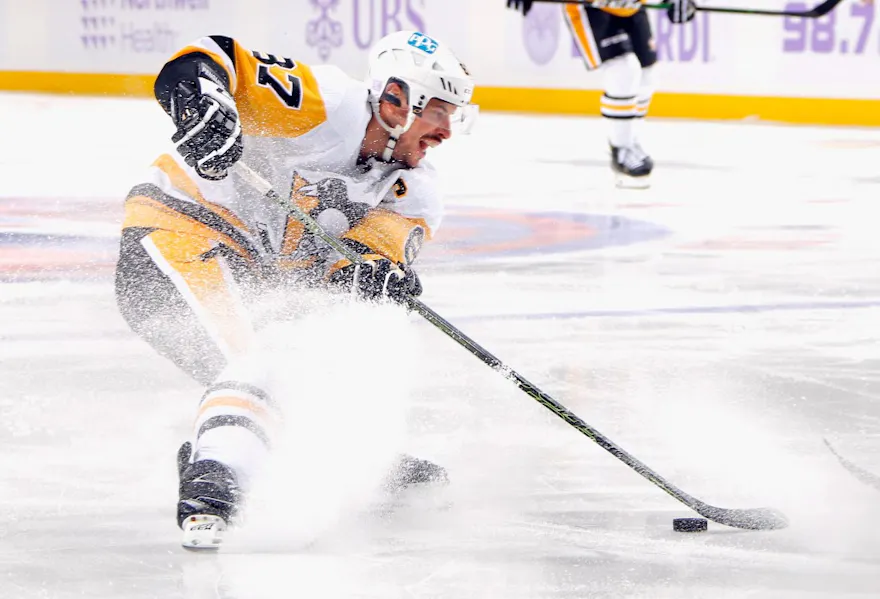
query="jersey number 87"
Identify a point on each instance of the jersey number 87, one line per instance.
(292, 97)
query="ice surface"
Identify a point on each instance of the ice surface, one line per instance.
(717, 326)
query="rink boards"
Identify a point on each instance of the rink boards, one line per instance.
(716, 67)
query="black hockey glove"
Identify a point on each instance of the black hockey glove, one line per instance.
(378, 279)
(208, 130)
(681, 11)
(524, 5)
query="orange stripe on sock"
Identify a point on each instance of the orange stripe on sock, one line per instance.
(234, 402)
(627, 107)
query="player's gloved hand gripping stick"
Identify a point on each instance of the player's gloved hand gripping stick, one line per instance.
(754, 519)
(377, 279)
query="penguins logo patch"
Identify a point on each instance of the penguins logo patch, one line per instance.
(399, 189)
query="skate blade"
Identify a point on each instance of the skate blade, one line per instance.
(203, 533)
(627, 182)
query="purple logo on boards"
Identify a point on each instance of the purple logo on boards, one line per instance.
(324, 33)
(541, 31)
(371, 19)
(835, 33)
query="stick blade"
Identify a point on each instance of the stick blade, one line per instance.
(750, 519)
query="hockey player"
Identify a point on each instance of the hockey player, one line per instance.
(615, 35)
(198, 243)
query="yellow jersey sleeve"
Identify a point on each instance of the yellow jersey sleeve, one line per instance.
(276, 96)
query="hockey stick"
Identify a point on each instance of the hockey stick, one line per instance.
(814, 13)
(869, 478)
(753, 519)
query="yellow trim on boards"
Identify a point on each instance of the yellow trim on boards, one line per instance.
(90, 84)
(814, 111)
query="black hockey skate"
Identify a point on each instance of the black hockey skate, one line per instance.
(632, 167)
(209, 496)
(413, 471)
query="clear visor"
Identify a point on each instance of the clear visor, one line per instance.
(459, 119)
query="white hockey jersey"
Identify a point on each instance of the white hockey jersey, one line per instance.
(302, 131)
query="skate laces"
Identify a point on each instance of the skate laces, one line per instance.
(633, 157)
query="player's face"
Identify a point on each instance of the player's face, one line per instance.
(428, 130)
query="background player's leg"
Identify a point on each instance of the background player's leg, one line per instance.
(647, 85)
(622, 77)
(603, 42)
(638, 28)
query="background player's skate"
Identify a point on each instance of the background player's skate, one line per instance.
(632, 167)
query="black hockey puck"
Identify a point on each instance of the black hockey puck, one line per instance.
(690, 525)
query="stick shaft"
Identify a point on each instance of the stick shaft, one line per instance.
(547, 401)
(817, 11)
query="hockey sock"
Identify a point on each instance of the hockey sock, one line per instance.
(619, 102)
(233, 427)
(646, 92)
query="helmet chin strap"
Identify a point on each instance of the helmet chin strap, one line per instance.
(389, 149)
(394, 132)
